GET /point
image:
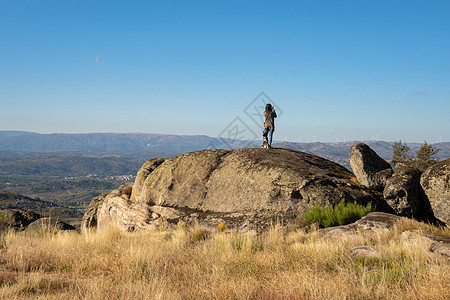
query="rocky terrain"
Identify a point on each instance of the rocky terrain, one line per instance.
(376, 222)
(19, 220)
(249, 189)
(435, 182)
(388, 255)
(370, 169)
(408, 191)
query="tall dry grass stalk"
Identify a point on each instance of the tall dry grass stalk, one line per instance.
(190, 263)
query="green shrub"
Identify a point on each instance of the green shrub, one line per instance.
(341, 214)
(423, 159)
(199, 234)
(221, 227)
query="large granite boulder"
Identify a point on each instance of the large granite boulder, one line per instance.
(148, 167)
(405, 195)
(90, 215)
(371, 170)
(435, 181)
(246, 189)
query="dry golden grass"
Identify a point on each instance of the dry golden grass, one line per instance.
(187, 263)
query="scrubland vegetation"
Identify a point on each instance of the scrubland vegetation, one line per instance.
(424, 158)
(194, 263)
(340, 214)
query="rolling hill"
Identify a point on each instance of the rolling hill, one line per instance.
(164, 145)
(9, 200)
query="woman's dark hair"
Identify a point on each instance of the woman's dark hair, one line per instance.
(268, 107)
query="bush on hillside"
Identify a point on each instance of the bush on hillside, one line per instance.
(341, 214)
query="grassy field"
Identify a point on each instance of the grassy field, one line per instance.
(192, 263)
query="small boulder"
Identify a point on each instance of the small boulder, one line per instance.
(434, 242)
(364, 252)
(370, 223)
(435, 182)
(50, 224)
(405, 195)
(414, 236)
(440, 248)
(17, 219)
(375, 221)
(371, 170)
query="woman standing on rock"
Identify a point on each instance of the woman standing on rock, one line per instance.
(269, 125)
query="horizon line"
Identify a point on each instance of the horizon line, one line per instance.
(220, 138)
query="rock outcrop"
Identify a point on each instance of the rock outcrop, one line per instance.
(364, 252)
(19, 219)
(148, 167)
(49, 224)
(371, 170)
(376, 222)
(441, 248)
(16, 219)
(405, 195)
(435, 181)
(246, 189)
(435, 242)
(370, 223)
(90, 216)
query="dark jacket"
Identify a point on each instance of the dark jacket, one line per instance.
(270, 122)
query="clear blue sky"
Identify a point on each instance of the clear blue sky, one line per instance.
(338, 70)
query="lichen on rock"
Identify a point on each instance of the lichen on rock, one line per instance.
(435, 181)
(371, 170)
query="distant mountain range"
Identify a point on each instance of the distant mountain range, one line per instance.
(14, 133)
(101, 142)
(164, 145)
